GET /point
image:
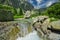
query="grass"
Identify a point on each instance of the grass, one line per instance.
(18, 16)
(53, 19)
(35, 15)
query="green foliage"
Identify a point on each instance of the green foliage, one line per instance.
(18, 16)
(5, 7)
(16, 13)
(19, 12)
(6, 13)
(9, 8)
(35, 14)
(53, 11)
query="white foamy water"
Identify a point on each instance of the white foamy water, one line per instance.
(31, 36)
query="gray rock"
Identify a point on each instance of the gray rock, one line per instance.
(27, 14)
(40, 18)
(55, 25)
(7, 29)
(40, 24)
(54, 36)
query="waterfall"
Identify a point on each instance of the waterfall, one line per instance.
(27, 32)
(25, 27)
(31, 36)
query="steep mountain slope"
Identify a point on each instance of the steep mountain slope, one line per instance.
(24, 4)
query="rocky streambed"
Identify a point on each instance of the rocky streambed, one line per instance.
(11, 30)
(8, 30)
(24, 28)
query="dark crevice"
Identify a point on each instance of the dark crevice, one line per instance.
(54, 30)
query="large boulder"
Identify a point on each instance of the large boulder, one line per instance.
(47, 30)
(40, 18)
(55, 25)
(6, 15)
(40, 24)
(27, 14)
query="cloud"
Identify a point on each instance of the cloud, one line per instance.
(42, 3)
(36, 7)
(30, 1)
(49, 4)
(39, 1)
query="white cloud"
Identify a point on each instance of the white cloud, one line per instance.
(42, 3)
(39, 1)
(37, 6)
(49, 4)
(31, 1)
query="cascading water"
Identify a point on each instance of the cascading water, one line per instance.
(23, 29)
(31, 36)
(27, 34)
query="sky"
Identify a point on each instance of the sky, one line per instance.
(41, 3)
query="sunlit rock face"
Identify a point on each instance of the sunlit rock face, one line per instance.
(47, 34)
(55, 25)
(40, 18)
(27, 14)
(41, 22)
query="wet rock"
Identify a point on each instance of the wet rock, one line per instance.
(54, 36)
(27, 14)
(41, 25)
(8, 31)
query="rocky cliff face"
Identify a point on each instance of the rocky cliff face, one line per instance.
(18, 4)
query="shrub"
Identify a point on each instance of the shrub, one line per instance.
(53, 11)
(6, 13)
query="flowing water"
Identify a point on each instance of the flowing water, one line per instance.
(31, 36)
(26, 31)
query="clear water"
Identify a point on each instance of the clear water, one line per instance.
(31, 36)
